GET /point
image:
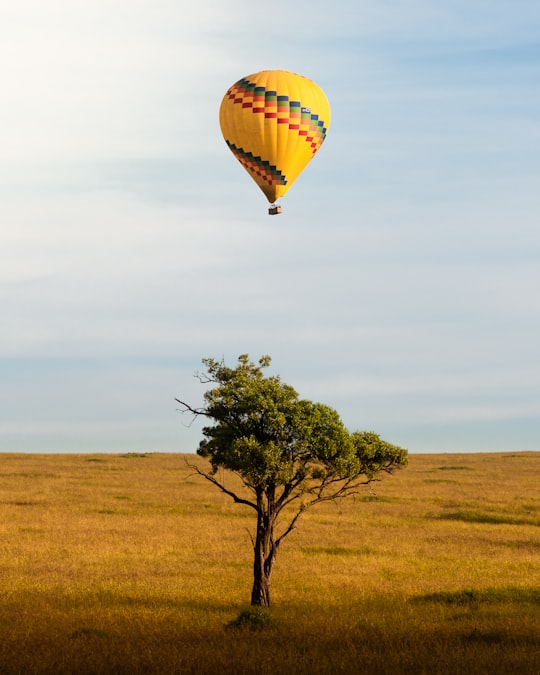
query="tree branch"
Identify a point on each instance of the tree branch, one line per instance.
(350, 487)
(194, 411)
(214, 481)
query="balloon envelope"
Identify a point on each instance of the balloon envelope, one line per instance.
(274, 122)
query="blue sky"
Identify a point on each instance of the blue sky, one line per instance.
(401, 285)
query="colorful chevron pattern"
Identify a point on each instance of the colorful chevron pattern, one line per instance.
(271, 105)
(260, 167)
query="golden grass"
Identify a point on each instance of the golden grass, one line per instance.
(131, 564)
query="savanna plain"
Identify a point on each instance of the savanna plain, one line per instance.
(135, 564)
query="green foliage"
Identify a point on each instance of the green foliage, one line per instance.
(376, 455)
(265, 433)
(254, 619)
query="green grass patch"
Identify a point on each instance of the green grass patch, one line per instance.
(253, 619)
(23, 502)
(337, 550)
(379, 498)
(472, 596)
(492, 638)
(28, 474)
(488, 518)
(455, 468)
(522, 544)
(440, 480)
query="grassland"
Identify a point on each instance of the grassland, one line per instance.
(131, 564)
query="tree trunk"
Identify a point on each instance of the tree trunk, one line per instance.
(264, 556)
(260, 593)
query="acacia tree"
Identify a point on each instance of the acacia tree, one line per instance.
(289, 454)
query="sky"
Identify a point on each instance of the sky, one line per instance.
(401, 284)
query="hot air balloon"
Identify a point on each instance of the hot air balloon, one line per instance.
(274, 122)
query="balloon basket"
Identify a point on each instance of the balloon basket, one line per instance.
(274, 210)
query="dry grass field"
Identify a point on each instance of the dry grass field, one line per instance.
(132, 564)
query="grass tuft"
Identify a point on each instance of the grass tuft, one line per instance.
(254, 619)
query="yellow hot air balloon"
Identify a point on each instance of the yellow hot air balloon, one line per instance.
(274, 122)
